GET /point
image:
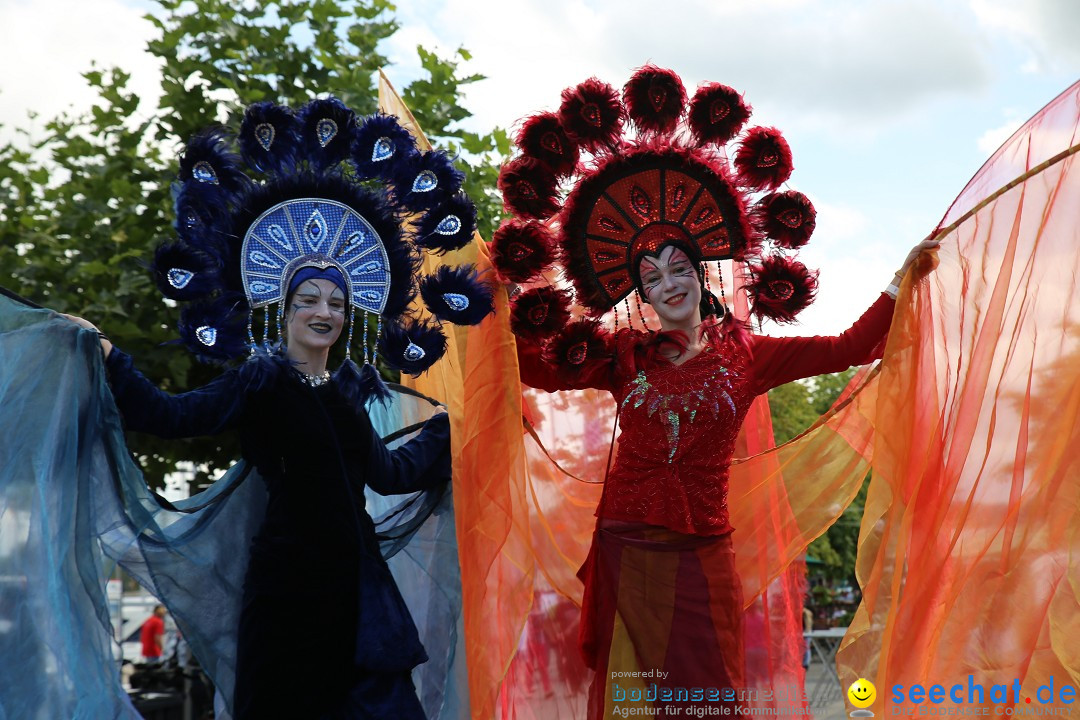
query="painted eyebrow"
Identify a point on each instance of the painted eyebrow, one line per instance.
(676, 265)
(337, 294)
(311, 288)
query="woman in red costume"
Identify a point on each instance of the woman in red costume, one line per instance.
(662, 612)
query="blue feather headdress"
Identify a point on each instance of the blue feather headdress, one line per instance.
(317, 187)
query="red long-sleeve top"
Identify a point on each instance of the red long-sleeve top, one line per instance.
(678, 423)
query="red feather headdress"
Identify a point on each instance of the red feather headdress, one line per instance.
(610, 179)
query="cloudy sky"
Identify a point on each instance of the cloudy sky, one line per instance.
(889, 106)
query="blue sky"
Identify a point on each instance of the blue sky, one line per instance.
(889, 107)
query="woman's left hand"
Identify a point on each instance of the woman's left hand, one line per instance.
(106, 344)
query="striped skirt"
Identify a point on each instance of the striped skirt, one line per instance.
(661, 621)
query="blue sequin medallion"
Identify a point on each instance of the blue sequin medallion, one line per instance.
(207, 335)
(261, 258)
(278, 235)
(383, 149)
(456, 301)
(315, 230)
(264, 134)
(426, 181)
(204, 173)
(179, 278)
(450, 225)
(368, 268)
(326, 129)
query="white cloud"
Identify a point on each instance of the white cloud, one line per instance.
(529, 51)
(838, 223)
(835, 60)
(48, 45)
(993, 138)
(1049, 29)
(824, 63)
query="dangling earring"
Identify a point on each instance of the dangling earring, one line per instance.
(280, 315)
(723, 297)
(348, 341)
(637, 296)
(715, 306)
(251, 334)
(365, 338)
(266, 328)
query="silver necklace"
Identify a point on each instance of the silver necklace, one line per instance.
(313, 380)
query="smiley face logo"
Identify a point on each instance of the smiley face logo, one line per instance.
(862, 693)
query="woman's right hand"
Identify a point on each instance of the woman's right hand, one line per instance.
(930, 244)
(106, 345)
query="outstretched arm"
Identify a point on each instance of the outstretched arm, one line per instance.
(419, 464)
(146, 408)
(780, 360)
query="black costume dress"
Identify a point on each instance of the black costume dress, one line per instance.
(323, 631)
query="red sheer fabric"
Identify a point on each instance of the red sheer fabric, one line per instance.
(663, 606)
(969, 555)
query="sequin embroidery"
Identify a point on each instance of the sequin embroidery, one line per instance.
(678, 426)
(671, 406)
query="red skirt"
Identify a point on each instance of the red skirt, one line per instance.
(661, 620)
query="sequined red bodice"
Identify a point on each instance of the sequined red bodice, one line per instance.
(678, 428)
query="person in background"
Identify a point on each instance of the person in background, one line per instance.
(153, 635)
(808, 626)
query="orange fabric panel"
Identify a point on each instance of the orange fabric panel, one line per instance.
(968, 551)
(478, 382)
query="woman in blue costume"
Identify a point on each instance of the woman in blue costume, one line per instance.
(316, 454)
(323, 630)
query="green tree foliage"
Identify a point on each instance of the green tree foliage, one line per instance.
(81, 212)
(794, 408)
(792, 411)
(825, 389)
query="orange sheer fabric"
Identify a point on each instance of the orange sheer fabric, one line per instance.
(969, 556)
(478, 382)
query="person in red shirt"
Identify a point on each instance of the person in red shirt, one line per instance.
(153, 635)
(662, 596)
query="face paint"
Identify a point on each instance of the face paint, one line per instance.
(671, 285)
(316, 315)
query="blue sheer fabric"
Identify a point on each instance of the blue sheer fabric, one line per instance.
(72, 502)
